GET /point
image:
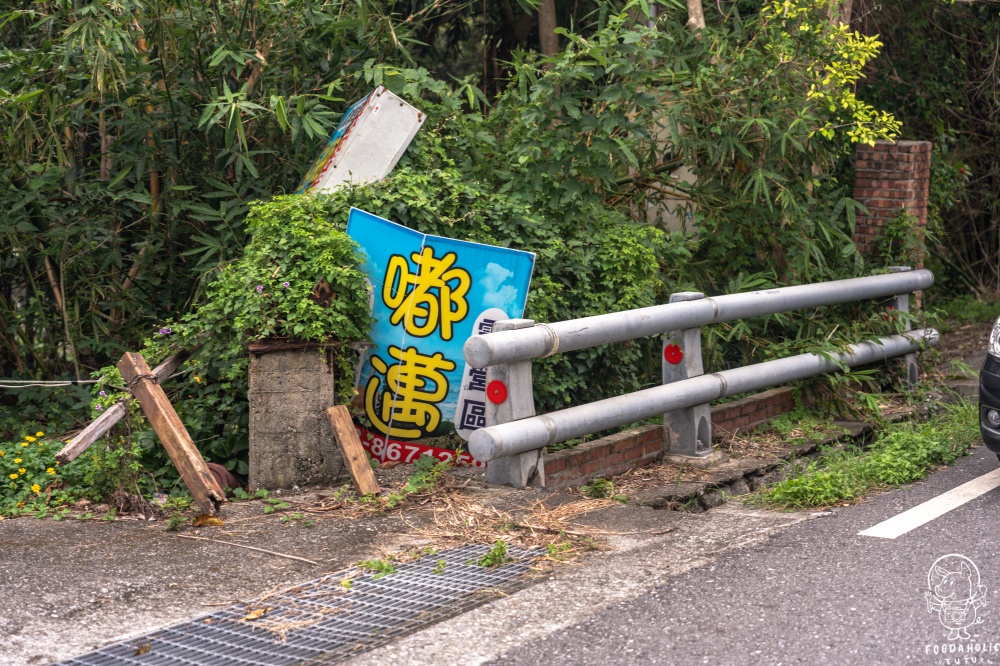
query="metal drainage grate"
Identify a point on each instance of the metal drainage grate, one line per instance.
(322, 621)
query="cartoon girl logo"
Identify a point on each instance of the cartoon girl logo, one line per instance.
(955, 594)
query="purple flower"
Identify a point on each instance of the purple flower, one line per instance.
(285, 285)
(260, 289)
(99, 408)
(102, 394)
(165, 331)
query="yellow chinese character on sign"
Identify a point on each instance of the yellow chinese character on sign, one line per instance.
(413, 387)
(433, 296)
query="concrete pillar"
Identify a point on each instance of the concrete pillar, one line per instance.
(509, 397)
(291, 444)
(687, 432)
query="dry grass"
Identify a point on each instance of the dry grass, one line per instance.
(460, 520)
(290, 613)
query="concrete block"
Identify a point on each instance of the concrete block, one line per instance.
(291, 443)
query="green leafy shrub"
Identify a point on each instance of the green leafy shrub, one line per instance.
(31, 481)
(268, 292)
(901, 454)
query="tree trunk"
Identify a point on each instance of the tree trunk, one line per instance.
(696, 15)
(840, 12)
(548, 40)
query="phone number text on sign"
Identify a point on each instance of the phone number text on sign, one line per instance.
(385, 450)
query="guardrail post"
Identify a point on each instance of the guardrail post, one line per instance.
(687, 432)
(901, 303)
(509, 398)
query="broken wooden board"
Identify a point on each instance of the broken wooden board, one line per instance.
(172, 433)
(352, 451)
(113, 414)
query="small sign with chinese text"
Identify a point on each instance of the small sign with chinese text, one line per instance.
(430, 295)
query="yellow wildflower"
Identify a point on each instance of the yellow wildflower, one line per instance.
(17, 461)
(35, 488)
(50, 470)
(197, 379)
(29, 438)
(22, 471)
(3, 453)
(39, 434)
(23, 444)
(13, 476)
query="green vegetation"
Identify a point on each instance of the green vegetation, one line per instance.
(32, 482)
(802, 425)
(600, 489)
(955, 105)
(137, 137)
(427, 475)
(378, 567)
(241, 495)
(902, 453)
(497, 556)
(966, 309)
(273, 504)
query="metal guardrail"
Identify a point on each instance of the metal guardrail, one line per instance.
(514, 437)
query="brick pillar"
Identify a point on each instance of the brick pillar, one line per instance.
(889, 176)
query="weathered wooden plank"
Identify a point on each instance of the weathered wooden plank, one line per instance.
(113, 414)
(93, 432)
(172, 433)
(352, 451)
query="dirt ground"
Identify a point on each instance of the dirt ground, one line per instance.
(962, 350)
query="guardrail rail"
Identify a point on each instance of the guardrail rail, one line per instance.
(514, 438)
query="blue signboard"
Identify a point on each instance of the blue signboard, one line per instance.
(430, 295)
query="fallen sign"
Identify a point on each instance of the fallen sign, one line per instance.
(145, 386)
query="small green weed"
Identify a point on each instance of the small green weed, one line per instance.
(176, 507)
(439, 569)
(273, 504)
(427, 475)
(600, 489)
(496, 556)
(559, 551)
(242, 495)
(175, 522)
(299, 518)
(801, 425)
(379, 567)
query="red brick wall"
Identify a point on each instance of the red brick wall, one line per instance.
(618, 453)
(604, 457)
(889, 176)
(746, 413)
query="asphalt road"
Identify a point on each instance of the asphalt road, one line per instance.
(815, 592)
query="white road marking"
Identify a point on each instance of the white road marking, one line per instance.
(934, 508)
